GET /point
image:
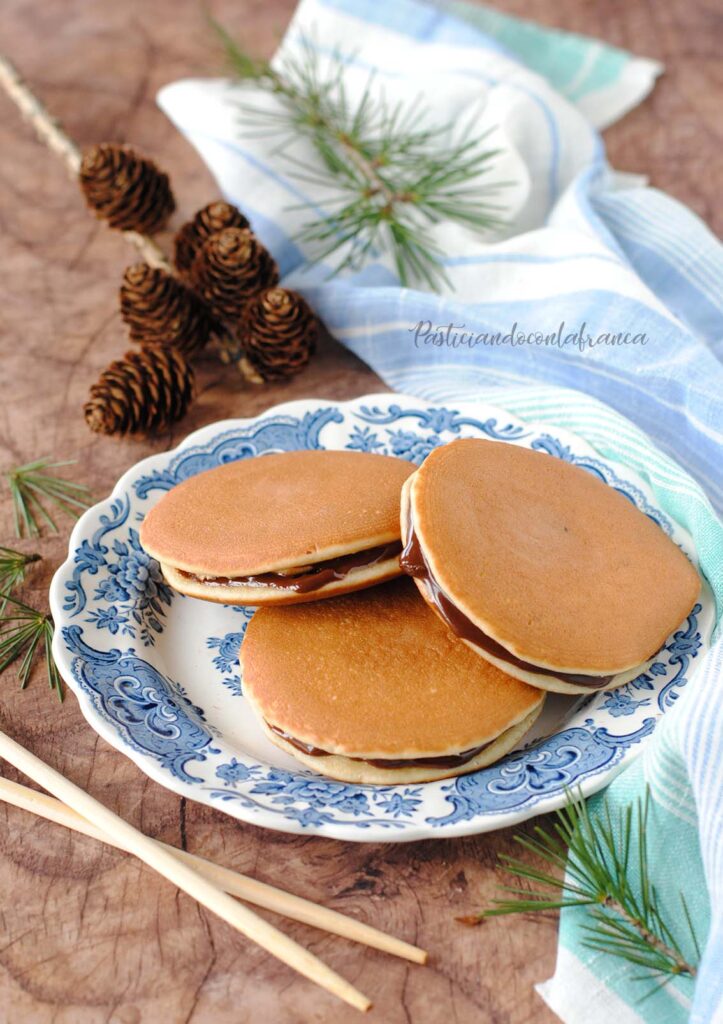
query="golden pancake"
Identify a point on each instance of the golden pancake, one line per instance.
(375, 676)
(541, 567)
(281, 528)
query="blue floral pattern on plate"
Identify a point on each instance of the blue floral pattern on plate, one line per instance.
(131, 595)
(226, 660)
(201, 740)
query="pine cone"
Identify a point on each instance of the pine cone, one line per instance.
(126, 189)
(144, 392)
(229, 269)
(279, 334)
(160, 310)
(208, 221)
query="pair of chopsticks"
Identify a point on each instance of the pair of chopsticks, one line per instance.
(210, 884)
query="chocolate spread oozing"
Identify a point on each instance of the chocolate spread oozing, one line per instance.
(312, 577)
(445, 761)
(414, 563)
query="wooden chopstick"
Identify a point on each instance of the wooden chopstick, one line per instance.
(232, 882)
(183, 876)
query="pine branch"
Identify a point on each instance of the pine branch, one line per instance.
(23, 632)
(32, 488)
(386, 181)
(623, 922)
(51, 133)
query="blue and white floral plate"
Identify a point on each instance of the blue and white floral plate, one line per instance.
(157, 674)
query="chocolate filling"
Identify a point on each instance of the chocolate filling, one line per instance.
(445, 761)
(311, 577)
(414, 563)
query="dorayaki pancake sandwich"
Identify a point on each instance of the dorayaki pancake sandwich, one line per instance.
(372, 688)
(281, 528)
(540, 567)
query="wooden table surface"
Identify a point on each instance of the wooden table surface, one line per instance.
(89, 935)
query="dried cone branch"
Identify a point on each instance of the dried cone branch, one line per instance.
(144, 392)
(209, 221)
(161, 310)
(126, 189)
(279, 334)
(229, 269)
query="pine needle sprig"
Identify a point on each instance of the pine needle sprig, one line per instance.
(387, 174)
(24, 632)
(12, 571)
(624, 922)
(33, 487)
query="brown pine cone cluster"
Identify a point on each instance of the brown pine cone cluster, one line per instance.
(279, 334)
(126, 189)
(229, 278)
(223, 261)
(209, 221)
(143, 393)
(229, 269)
(160, 310)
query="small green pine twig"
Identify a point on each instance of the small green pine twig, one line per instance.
(622, 922)
(12, 571)
(23, 633)
(33, 488)
(387, 175)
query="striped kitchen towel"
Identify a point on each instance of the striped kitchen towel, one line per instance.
(597, 307)
(586, 251)
(602, 81)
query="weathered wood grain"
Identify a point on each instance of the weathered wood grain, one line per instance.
(89, 935)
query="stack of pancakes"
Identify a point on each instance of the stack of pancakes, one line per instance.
(534, 574)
